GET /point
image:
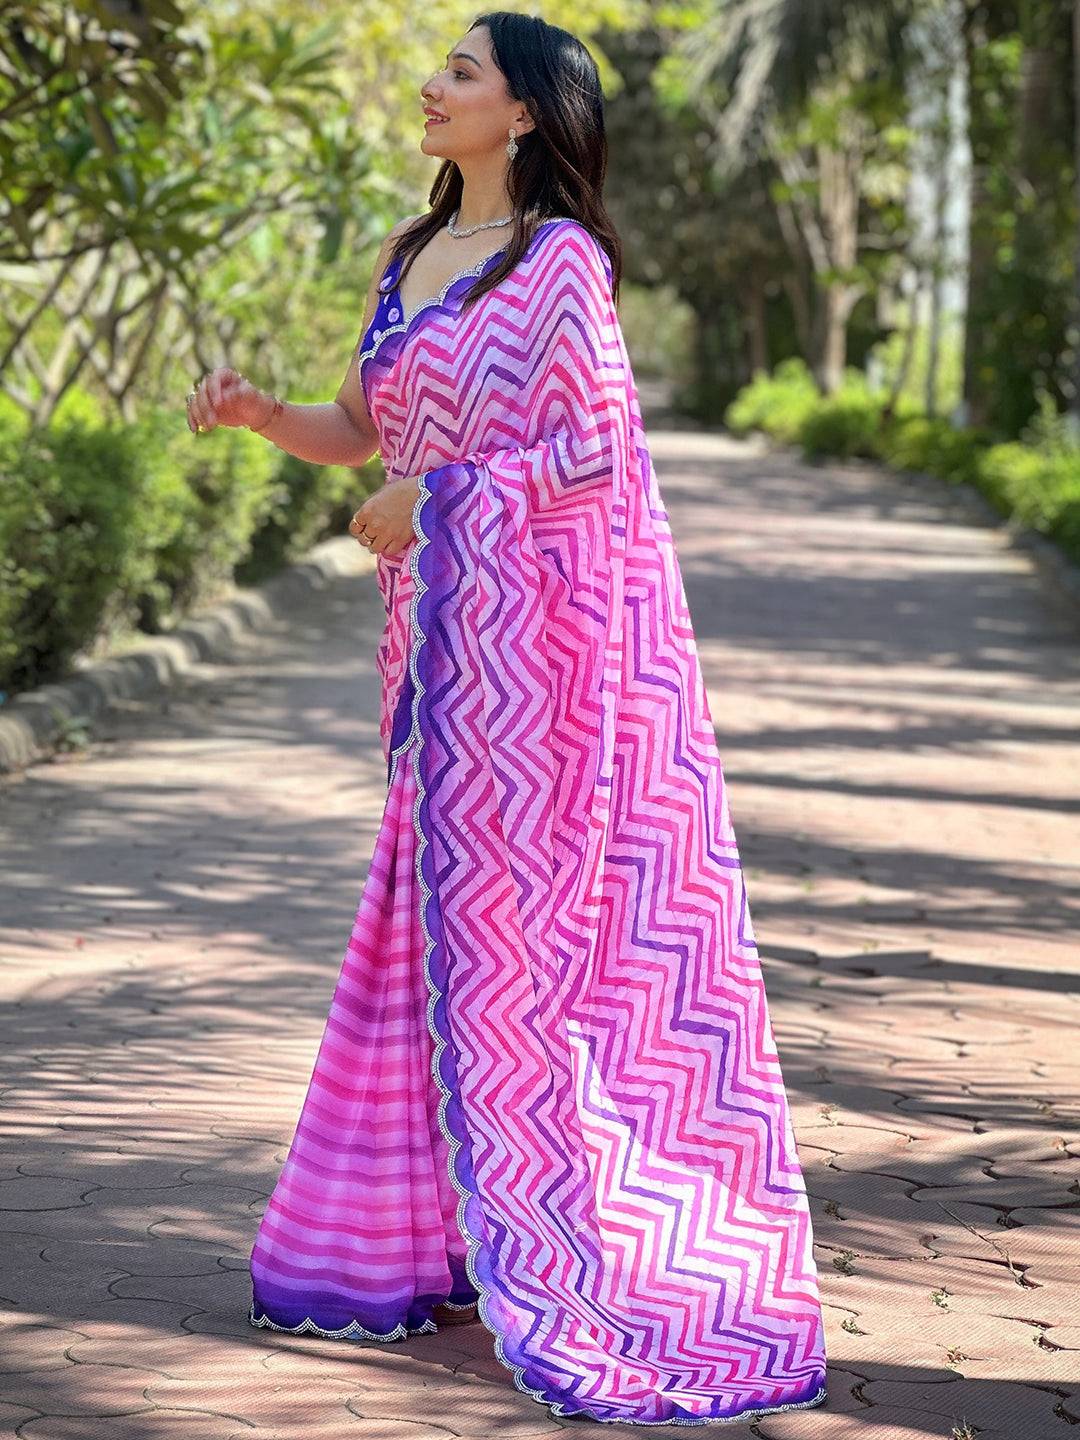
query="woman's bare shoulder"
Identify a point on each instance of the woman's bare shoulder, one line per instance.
(399, 229)
(393, 235)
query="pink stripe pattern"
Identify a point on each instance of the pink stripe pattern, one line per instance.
(548, 1081)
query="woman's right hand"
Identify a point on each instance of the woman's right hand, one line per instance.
(224, 397)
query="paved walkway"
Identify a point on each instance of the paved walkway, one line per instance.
(897, 704)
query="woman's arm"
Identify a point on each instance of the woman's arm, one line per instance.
(340, 431)
(324, 434)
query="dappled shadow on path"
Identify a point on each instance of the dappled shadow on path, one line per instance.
(896, 710)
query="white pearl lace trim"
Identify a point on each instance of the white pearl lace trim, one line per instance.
(353, 1331)
(379, 336)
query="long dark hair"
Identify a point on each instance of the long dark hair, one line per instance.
(560, 164)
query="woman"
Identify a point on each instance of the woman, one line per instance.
(547, 1083)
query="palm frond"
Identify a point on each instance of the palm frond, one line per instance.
(754, 56)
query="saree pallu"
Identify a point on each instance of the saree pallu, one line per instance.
(548, 1081)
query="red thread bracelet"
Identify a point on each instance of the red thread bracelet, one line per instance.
(274, 413)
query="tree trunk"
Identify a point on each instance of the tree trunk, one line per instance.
(757, 337)
(797, 280)
(1043, 239)
(907, 352)
(838, 168)
(939, 249)
(981, 257)
(833, 341)
(941, 151)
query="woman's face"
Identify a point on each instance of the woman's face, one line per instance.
(470, 90)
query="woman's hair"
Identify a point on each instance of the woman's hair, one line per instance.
(560, 164)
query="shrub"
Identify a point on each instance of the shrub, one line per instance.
(916, 442)
(67, 498)
(307, 503)
(776, 403)
(203, 500)
(1035, 479)
(106, 528)
(846, 424)
(1041, 490)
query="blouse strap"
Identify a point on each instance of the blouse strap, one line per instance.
(389, 274)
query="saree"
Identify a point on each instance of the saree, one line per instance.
(548, 1083)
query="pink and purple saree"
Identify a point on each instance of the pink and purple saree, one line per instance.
(547, 1081)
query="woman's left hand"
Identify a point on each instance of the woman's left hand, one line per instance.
(384, 521)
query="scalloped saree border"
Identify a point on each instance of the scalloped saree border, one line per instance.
(458, 1144)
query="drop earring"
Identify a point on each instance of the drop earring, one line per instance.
(512, 148)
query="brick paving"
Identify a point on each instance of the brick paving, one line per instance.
(897, 704)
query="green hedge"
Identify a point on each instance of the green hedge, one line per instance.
(106, 529)
(776, 403)
(1036, 480)
(916, 442)
(1042, 490)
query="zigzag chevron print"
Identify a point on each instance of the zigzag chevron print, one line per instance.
(548, 1081)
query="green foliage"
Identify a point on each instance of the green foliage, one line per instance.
(1035, 481)
(106, 529)
(917, 442)
(78, 407)
(1025, 217)
(889, 354)
(170, 153)
(658, 330)
(776, 403)
(846, 423)
(1041, 490)
(307, 502)
(228, 226)
(1050, 430)
(202, 502)
(13, 421)
(842, 425)
(66, 73)
(789, 406)
(67, 497)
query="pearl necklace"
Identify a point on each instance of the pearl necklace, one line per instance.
(487, 225)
